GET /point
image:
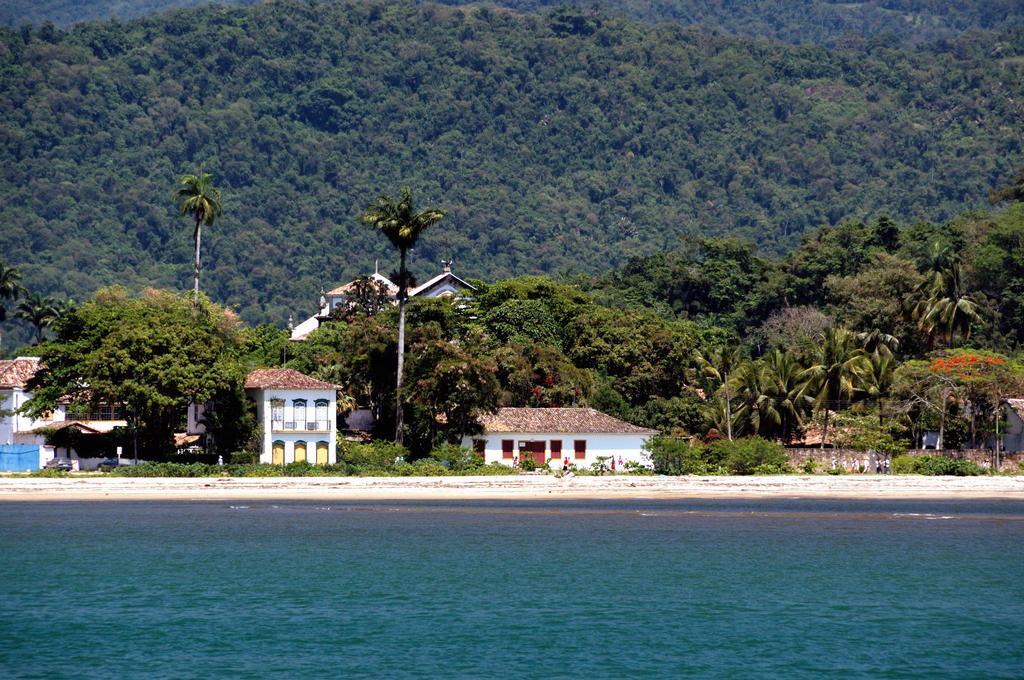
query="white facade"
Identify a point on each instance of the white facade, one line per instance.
(557, 446)
(297, 424)
(580, 437)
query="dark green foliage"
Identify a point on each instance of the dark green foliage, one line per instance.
(377, 454)
(568, 151)
(456, 458)
(936, 465)
(677, 456)
(750, 456)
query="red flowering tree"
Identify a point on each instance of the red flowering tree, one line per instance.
(983, 379)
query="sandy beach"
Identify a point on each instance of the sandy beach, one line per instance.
(510, 487)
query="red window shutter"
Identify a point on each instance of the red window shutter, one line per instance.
(507, 448)
(480, 445)
(580, 447)
(556, 449)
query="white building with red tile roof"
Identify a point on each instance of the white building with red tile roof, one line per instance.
(297, 414)
(20, 429)
(584, 436)
(445, 284)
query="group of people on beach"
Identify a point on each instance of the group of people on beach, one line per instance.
(854, 465)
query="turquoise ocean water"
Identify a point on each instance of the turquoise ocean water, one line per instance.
(598, 589)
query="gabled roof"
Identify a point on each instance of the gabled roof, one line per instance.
(442, 280)
(14, 373)
(377, 278)
(284, 379)
(64, 425)
(563, 420)
(1017, 405)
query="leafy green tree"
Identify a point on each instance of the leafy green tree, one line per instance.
(450, 386)
(399, 221)
(200, 199)
(153, 354)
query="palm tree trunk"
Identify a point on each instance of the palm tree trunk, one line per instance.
(824, 428)
(399, 415)
(195, 276)
(728, 407)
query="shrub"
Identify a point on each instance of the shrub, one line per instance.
(167, 470)
(527, 463)
(303, 468)
(428, 467)
(676, 456)
(456, 458)
(941, 465)
(379, 454)
(243, 458)
(749, 456)
(48, 472)
(903, 465)
(936, 465)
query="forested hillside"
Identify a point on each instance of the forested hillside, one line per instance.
(559, 143)
(823, 22)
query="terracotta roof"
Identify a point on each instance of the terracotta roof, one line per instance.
(14, 373)
(566, 420)
(1017, 405)
(284, 379)
(65, 424)
(350, 286)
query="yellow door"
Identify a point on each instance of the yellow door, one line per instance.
(278, 453)
(321, 453)
(300, 452)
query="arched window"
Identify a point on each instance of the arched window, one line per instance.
(300, 452)
(322, 450)
(277, 453)
(299, 413)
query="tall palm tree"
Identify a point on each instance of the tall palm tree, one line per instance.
(39, 311)
(10, 286)
(944, 305)
(719, 366)
(783, 388)
(201, 200)
(399, 221)
(834, 366)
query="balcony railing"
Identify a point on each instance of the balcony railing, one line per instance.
(308, 426)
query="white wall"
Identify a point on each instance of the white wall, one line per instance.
(626, 446)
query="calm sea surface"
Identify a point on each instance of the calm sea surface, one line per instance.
(621, 589)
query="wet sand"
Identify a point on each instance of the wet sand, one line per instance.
(510, 487)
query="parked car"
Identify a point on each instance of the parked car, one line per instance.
(59, 464)
(108, 464)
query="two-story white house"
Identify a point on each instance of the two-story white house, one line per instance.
(298, 416)
(584, 436)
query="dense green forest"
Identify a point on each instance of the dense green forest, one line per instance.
(883, 330)
(824, 22)
(561, 143)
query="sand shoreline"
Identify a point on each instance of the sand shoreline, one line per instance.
(523, 487)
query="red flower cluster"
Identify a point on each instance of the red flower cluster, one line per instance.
(964, 365)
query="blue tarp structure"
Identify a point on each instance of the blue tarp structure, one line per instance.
(19, 457)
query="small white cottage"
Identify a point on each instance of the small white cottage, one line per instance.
(298, 415)
(581, 435)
